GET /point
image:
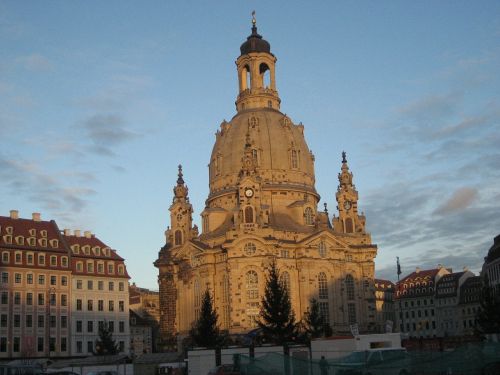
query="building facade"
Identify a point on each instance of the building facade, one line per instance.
(145, 303)
(99, 293)
(263, 208)
(384, 304)
(40, 287)
(415, 302)
(449, 305)
(491, 265)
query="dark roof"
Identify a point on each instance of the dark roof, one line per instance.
(470, 290)
(447, 285)
(494, 251)
(255, 43)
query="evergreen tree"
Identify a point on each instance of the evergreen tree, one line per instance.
(314, 322)
(277, 319)
(205, 331)
(105, 345)
(488, 316)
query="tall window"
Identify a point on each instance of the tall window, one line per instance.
(197, 298)
(225, 300)
(322, 249)
(285, 279)
(252, 284)
(349, 287)
(294, 159)
(248, 214)
(349, 228)
(178, 237)
(309, 216)
(322, 286)
(323, 297)
(351, 313)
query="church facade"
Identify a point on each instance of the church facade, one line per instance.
(263, 208)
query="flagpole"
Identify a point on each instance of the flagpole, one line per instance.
(400, 295)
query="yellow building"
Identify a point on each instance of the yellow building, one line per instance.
(263, 207)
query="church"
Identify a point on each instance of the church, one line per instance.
(262, 208)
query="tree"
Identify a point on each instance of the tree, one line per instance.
(314, 322)
(488, 317)
(277, 319)
(105, 345)
(205, 331)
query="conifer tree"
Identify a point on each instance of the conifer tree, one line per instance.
(277, 319)
(105, 344)
(314, 322)
(488, 316)
(205, 331)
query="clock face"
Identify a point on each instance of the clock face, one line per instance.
(347, 205)
(248, 193)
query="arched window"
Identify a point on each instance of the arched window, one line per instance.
(178, 237)
(308, 216)
(285, 279)
(322, 286)
(265, 75)
(245, 78)
(250, 248)
(294, 159)
(255, 156)
(252, 284)
(248, 214)
(349, 228)
(322, 249)
(349, 287)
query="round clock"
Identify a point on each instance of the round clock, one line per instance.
(347, 205)
(248, 193)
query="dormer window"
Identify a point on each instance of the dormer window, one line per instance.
(86, 249)
(76, 249)
(54, 243)
(20, 240)
(32, 232)
(43, 233)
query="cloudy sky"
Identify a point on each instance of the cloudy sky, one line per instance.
(100, 101)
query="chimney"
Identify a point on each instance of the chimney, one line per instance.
(77, 232)
(465, 268)
(67, 232)
(35, 216)
(14, 214)
(417, 270)
(440, 266)
(87, 234)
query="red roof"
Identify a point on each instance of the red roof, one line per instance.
(28, 228)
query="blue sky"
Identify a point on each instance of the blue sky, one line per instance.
(100, 101)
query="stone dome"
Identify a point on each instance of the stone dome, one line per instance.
(255, 43)
(282, 156)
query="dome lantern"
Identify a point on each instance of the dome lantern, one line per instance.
(256, 73)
